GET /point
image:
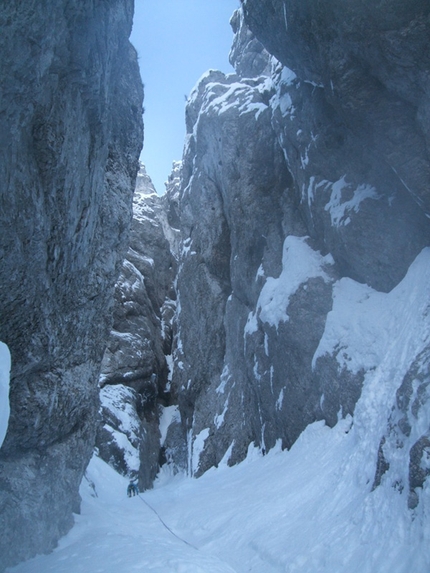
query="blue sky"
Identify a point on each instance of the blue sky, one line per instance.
(177, 41)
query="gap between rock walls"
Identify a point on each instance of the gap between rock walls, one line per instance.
(280, 281)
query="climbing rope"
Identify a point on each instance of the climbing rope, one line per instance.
(165, 524)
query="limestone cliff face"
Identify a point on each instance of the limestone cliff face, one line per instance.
(135, 374)
(233, 171)
(71, 133)
(360, 99)
(353, 121)
(306, 171)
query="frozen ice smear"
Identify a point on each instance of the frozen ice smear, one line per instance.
(169, 415)
(197, 449)
(339, 208)
(4, 390)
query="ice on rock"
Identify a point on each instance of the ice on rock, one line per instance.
(5, 364)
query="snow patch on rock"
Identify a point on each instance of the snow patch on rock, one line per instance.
(299, 263)
(5, 364)
(339, 208)
(363, 322)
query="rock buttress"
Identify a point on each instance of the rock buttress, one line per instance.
(294, 179)
(134, 364)
(71, 133)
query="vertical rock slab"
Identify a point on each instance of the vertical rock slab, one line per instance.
(235, 209)
(352, 98)
(352, 116)
(71, 133)
(134, 364)
(305, 172)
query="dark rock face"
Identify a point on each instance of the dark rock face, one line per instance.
(230, 367)
(144, 297)
(366, 69)
(353, 122)
(71, 133)
(129, 438)
(294, 181)
(134, 364)
(247, 54)
(221, 256)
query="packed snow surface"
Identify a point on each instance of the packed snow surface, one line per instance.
(312, 509)
(4, 390)
(309, 510)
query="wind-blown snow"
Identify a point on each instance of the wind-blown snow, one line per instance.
(118, 400)
(219, 98)
(4, 390)
(130, 453)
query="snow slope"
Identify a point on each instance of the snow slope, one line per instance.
(307, 510)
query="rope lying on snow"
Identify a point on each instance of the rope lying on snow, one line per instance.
(166, 526)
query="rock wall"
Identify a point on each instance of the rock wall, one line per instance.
(360, 100)
(71, 133)
(305, 173)
(135, 374)
(353, 120)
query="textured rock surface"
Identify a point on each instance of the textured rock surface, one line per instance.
(128, 438)
(234, 172)
(71, 133)
(360, 109)
(141, 338)
(353, 122)
(291, 181)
